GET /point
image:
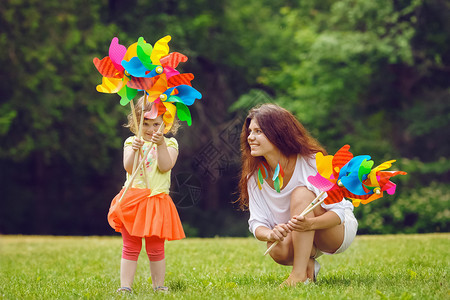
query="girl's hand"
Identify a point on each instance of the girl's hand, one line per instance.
(137, 144)
(300, 223)
(278, 233)
(158, 138)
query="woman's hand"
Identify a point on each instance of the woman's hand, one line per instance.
(300, 223)
(137, 144)
(278, 233)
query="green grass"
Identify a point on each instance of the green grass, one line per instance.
(374, 267)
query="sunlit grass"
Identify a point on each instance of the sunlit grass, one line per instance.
(374, 267)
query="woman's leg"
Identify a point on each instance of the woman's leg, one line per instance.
(130, 253)
(296, 248)
(155, 251)
(283, 254)
(302, 242)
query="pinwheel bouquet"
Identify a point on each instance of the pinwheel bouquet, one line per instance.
(352, 177)
(346, 176)
(152, 70)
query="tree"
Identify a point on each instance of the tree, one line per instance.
(53, 129)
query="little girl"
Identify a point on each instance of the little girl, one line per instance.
(147, 211)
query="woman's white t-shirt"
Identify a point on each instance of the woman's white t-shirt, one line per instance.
(269, 208)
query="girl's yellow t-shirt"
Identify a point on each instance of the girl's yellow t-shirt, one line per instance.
(152, 178)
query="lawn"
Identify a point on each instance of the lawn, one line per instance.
(374, 267)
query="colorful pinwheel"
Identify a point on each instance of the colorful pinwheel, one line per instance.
(176, 99)
(343, 175)
(115, 79)
(377, 182)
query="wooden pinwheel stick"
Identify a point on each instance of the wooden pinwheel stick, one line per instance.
(136, 156)
(136, 125)
(306, 211)
(130, 182)
(133, 114)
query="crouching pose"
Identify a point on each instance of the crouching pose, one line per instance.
(278, 155)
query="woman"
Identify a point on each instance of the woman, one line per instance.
(274, 141)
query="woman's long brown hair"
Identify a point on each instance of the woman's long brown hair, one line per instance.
(284, 131)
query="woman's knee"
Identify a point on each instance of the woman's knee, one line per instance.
(301, 196)
(281, 255)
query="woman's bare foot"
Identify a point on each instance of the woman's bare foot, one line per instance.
(293, 280)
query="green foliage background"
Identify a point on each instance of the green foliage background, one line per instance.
(372, 74)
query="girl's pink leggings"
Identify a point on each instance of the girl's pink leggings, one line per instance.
(132, 247)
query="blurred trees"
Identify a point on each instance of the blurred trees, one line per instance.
(366, 73)
(373, 74)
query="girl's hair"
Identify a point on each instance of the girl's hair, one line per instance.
(284, 131)
(147, 107)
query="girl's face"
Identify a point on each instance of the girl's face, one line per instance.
(259, 143)
(151, 126)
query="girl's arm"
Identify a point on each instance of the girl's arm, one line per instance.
(129, 153)
(167, 156)
(327, 220)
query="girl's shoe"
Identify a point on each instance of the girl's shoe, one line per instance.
(163, 289)
(124, 289)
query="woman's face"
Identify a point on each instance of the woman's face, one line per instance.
(258, 142)
(150, 126)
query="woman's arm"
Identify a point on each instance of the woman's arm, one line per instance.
(278, 233)
(327, 220)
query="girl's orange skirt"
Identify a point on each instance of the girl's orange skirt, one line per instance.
(143, 215)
